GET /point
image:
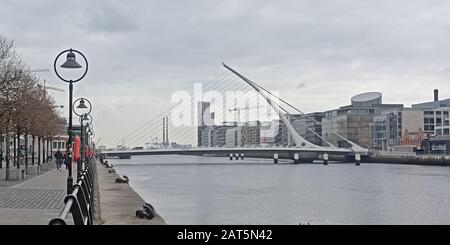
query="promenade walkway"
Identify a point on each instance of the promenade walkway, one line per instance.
(34, 201)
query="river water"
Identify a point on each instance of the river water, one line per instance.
(212, 190)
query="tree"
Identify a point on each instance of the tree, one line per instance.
(24, 108)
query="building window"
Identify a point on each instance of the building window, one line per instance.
(55, 144)
(446, 131)
(429, 120)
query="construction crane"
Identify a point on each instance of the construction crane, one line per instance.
(154, 142)
(46, 87)
(240, 109)
(40, 70)
(51, 88)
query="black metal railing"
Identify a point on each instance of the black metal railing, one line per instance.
(80, 202)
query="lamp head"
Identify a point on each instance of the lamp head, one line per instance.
(71, 62)
(82, 105)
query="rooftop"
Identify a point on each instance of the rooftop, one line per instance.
(364, 97)
(432, 104)
(440, 138)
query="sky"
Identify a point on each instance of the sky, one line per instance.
(316, 54)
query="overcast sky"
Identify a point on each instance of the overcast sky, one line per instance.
(317, 54)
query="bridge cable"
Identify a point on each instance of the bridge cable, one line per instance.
(151, 127)
(157, 117)
(173, 135)
(154, 126)
(292, 107)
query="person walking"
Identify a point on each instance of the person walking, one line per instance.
(59, 159)
(66, 162)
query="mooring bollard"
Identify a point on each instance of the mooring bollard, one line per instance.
(231, 156)
(275, 158)
(242, 156)
(296, 158)
(325, 159)
(357, 159)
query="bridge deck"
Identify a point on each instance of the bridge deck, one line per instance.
(200, 151)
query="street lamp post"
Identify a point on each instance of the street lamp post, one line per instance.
(87, 136)
(83, 117)
(70, 63)
(91, 139)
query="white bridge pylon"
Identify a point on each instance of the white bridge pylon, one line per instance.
(300, 142)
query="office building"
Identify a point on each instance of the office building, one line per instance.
(353, 121)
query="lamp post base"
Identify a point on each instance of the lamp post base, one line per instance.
(69, 185)
(32, 170)
(13, 174)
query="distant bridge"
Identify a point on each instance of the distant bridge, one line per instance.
(302, 149)
(294, 153)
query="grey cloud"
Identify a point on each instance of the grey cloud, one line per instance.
(110, 17)
(301, 85)
(149, 49)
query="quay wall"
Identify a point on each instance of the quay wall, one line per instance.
(303, 157)
(430, 160)
(118, 202)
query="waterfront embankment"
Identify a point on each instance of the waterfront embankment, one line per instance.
(119, 202)
(385, 157)
(39, 198)
(412, 159)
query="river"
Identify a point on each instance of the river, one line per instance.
(213, 190)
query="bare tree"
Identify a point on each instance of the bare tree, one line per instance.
(24, 108)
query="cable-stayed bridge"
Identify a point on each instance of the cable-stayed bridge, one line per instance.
(233, 80)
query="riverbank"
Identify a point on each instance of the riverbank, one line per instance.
(119, 202)
(374, 157)
(427, 160)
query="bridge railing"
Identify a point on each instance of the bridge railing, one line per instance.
(80, 202)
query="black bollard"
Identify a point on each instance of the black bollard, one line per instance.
(275, 158)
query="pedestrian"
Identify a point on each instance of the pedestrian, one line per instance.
(59, 159)
(66, 162)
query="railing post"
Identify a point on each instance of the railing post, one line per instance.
(79, 202)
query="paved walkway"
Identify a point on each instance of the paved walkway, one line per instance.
(34, 201)
(37, 200)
